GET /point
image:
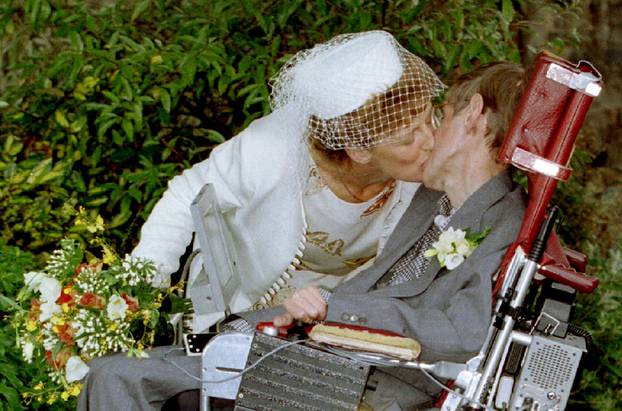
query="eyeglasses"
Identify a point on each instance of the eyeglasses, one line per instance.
(437, 117)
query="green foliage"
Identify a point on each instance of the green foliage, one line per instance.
(601, 384)
(13, 263)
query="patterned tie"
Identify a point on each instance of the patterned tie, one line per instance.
(413, 264)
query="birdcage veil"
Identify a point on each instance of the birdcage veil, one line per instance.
(356, 90)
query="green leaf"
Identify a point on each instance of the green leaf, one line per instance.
(135, 193)
(507, 10)
(138, 114)
(128, 128)
(128, 92)
(38, 171)
(45, 11)
(215, 136)
(165, 98)
(11, 396)
(103, 127)
(140, 8)
(112, 97)
(96, 202)
(188, 69)
(76, 41)
(7, 303)
(35, 8)
(61, 119)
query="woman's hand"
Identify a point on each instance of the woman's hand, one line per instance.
(306, 305)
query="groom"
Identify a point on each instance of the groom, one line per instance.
(444, 302)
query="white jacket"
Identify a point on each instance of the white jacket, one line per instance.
(256, 179)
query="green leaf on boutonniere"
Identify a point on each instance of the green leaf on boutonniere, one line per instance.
(477, 238)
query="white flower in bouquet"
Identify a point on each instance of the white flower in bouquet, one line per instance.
(27, 349)
(116, 308)
(134, 270)
(48, 309)
(89, 279)
(75, 369)
(33, 279)
(50, 289)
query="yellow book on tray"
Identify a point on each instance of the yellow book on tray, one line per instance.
(366, 339)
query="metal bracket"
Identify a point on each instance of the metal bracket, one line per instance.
(584, 82)
(527, 161)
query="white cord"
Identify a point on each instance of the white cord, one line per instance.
(456, 393)
(236, 375)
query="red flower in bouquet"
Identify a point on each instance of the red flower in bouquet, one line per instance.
(59, 360)
(90, 300)
(132, 303)
(65, 334)
(67, 296)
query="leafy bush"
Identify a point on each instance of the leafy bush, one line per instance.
(601, 384)
(13, 263)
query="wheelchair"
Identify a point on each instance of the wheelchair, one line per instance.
(532, 352)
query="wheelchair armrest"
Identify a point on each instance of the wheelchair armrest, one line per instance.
(577, 259)
(568, 276)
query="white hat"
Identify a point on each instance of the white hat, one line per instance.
(330, 85)
(340, 79)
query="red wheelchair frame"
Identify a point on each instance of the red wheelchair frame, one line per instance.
(540, 141)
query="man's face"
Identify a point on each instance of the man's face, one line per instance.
(404, 159)
(449, 140)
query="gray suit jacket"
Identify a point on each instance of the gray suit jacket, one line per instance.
(448, 312)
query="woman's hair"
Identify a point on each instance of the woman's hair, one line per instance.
(500, 85)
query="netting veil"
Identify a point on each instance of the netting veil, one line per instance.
(356, 90)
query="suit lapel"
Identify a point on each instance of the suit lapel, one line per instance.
(413, 224)
(467, 217)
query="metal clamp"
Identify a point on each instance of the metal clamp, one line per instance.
(583, 82)
(527, 161)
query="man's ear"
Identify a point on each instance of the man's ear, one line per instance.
(475, 110)
(359, 155)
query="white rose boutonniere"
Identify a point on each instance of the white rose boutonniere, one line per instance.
(454, 246)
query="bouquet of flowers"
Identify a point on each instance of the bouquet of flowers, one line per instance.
(75, 310)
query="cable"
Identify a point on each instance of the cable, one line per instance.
(233, 377)
(456, 393)
(589, 342)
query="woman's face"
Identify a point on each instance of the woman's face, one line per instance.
(404, 159)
